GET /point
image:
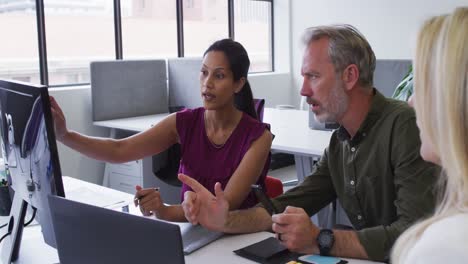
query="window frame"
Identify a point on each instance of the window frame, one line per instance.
(42, 47)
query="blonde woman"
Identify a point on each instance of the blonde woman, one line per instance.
(441, 104)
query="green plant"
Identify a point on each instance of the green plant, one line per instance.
(405, 89)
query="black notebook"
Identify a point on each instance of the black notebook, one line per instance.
(268, 251)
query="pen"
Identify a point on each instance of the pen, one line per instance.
(138, 199)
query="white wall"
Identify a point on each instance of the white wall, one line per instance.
(390, 26)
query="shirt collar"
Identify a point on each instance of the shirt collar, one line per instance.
(375, 111)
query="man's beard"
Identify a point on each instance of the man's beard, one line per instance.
(336, 105)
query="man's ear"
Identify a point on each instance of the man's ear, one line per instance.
(350, 76)
(240, 84)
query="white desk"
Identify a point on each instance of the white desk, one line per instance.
(134, 124)
(34, 250)
(290, 127)
(292, 132)
(293, 135)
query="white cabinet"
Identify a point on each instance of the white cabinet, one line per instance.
(125, 176)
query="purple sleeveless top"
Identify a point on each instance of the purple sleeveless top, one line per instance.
(207, 163)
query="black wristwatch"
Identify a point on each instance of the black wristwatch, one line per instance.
(325, 241)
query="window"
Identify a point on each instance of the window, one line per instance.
(205, 21)
(19, 51)
(149, 29)
(252, 28)
(77, 32)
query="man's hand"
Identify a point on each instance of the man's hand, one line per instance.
(202, 207)
(296, 231)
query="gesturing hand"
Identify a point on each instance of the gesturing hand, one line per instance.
(297, 232)
(202, 207)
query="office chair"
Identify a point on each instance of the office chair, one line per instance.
(170, 169)
(259, 105)
(170, 160)
(274, 186)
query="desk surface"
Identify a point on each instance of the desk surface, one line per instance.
(33, 250)
(290, 127)
(292, 132)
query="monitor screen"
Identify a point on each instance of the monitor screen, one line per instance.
(30, 154)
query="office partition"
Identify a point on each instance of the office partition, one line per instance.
(128, 88)
(184, 82)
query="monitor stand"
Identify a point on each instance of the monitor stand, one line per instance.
(11, 243)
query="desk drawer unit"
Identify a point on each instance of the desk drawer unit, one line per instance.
(124, 177)
(123, 182)
(132, 168)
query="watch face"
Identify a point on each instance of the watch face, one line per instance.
(325, 238)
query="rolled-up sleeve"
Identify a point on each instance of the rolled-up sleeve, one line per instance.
(314, 193)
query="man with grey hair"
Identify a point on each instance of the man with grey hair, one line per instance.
(372, 164)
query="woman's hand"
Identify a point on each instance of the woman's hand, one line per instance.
(60, 124)
(150, 202)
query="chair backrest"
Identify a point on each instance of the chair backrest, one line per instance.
(259, 105)
(166, 164)
(274, 186)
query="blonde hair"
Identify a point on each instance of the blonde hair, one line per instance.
(441, 104)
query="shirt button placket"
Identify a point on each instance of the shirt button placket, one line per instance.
(352, 182)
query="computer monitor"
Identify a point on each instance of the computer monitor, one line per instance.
(30, 154)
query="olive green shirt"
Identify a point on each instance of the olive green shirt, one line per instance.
(378, 176)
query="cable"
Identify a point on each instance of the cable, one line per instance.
(33, 216)
(3, 237)
(3, 225)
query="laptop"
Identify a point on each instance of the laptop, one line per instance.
(90, 234)
(195, 237)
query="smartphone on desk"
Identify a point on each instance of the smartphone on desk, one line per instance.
(264, 199)
(317, 259)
